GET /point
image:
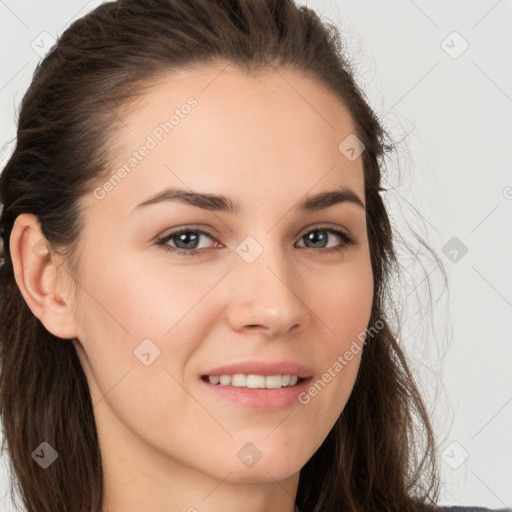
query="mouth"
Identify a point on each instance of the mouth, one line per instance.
(257, 384)
(254, 381)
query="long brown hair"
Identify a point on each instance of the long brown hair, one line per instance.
(380, 455)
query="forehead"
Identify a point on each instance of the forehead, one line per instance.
(213, 128)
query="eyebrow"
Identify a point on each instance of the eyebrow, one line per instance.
(217, 203)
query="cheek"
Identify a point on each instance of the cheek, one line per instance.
(133, 301)
(130, 309)
(127, 314)
(343, 301)
(343, 304)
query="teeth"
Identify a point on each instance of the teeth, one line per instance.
(240, 380)
(256, 381)
(225, 380)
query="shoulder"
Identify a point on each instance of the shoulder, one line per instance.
(466, 509)
(423, 507)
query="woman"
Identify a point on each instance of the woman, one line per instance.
(197, 258)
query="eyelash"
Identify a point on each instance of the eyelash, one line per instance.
(347, 239)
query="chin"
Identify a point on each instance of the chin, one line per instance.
(266, 473)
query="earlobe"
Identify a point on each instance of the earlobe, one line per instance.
(36, 274)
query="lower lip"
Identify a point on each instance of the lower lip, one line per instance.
(259, 398)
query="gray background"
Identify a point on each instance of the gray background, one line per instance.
(452, 108)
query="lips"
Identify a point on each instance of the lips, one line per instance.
(269, 386)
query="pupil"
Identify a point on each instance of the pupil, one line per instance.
(314, 238)
(184, 236)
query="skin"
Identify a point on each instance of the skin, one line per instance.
(166, 443)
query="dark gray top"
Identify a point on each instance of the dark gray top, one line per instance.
(470, 509)
(461, 509)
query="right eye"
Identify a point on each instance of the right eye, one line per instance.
(186, 239)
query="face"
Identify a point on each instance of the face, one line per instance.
(265, 281)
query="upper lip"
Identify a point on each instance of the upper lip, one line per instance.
(263, 368)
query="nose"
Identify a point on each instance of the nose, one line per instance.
(267, 295)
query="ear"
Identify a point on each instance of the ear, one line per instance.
(38, 278)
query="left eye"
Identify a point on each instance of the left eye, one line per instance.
(187, 239)
(313, 237)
